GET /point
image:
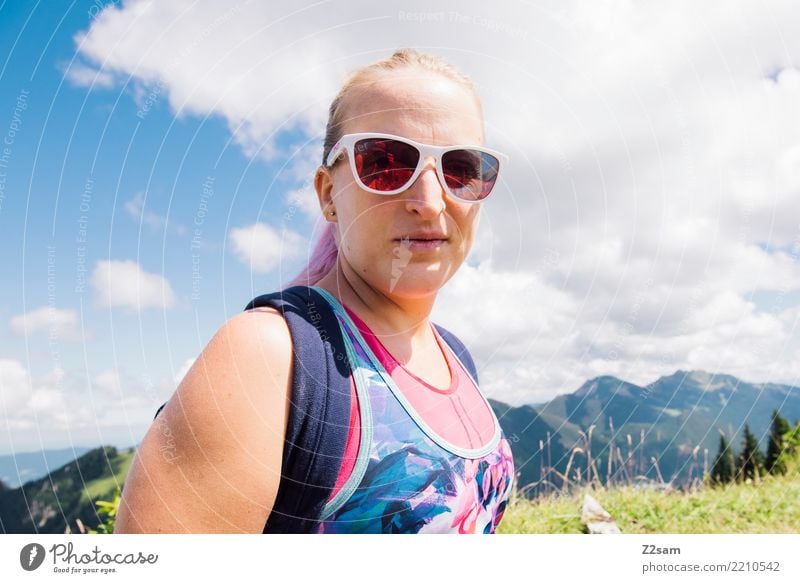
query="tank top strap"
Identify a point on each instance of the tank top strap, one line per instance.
(406, 478)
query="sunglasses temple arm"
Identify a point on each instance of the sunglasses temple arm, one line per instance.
(335, 152)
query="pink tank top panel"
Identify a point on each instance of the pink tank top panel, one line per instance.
(458, 413)
(417, 457)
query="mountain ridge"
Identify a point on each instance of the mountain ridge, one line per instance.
(672, 420)
(669, 421)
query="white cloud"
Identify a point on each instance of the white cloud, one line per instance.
(305, 200)
(30, 402)
(115, 390)
(125, 284)
(15, 384)
(270, 72)
(59, 324)
(513, 324)
(109, 381)
(82, 75)
(75, 406)
(187, 364)
(531, 341)
(135, 207)
(262, 248)
(654, 172)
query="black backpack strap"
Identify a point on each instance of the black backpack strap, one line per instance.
(159, 411)
(319, 412)
(460, 350)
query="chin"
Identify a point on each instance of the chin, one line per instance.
(417, 294)
(416, 282)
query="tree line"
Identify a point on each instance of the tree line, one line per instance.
(751, 463)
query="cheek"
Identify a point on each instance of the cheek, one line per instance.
(467, 222)
(365, 227)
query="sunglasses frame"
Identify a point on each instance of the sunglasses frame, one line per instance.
(347, 142)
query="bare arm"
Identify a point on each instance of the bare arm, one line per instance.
(211, 461)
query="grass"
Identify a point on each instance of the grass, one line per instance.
(767, 506)
(100, 488)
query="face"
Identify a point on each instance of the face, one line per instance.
(371, 228)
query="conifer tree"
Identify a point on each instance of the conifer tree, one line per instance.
(774, 463)
(723, 468)
(750, 463)
(794, 438)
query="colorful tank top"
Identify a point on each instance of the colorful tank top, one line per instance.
(406, 478)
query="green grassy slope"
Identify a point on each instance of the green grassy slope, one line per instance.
(99, 488)
(53, 503)
(767, 506)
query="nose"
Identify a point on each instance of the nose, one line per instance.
(426, 196)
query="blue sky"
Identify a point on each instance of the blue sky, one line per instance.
(647, 221)
(81, 163)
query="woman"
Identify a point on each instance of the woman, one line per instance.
(423, 450)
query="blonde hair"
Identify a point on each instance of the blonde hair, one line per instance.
(325, 253)
(361, 78)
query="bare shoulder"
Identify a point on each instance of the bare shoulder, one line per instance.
(211, 460)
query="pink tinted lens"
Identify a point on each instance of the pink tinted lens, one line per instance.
(385, 164)
(470, 174)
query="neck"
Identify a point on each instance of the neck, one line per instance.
(385, 314)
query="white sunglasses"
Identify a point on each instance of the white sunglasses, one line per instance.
(387, 164)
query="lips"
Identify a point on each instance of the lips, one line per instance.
(422, 244)
(423, 236)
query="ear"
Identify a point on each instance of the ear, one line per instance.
(323, 185)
